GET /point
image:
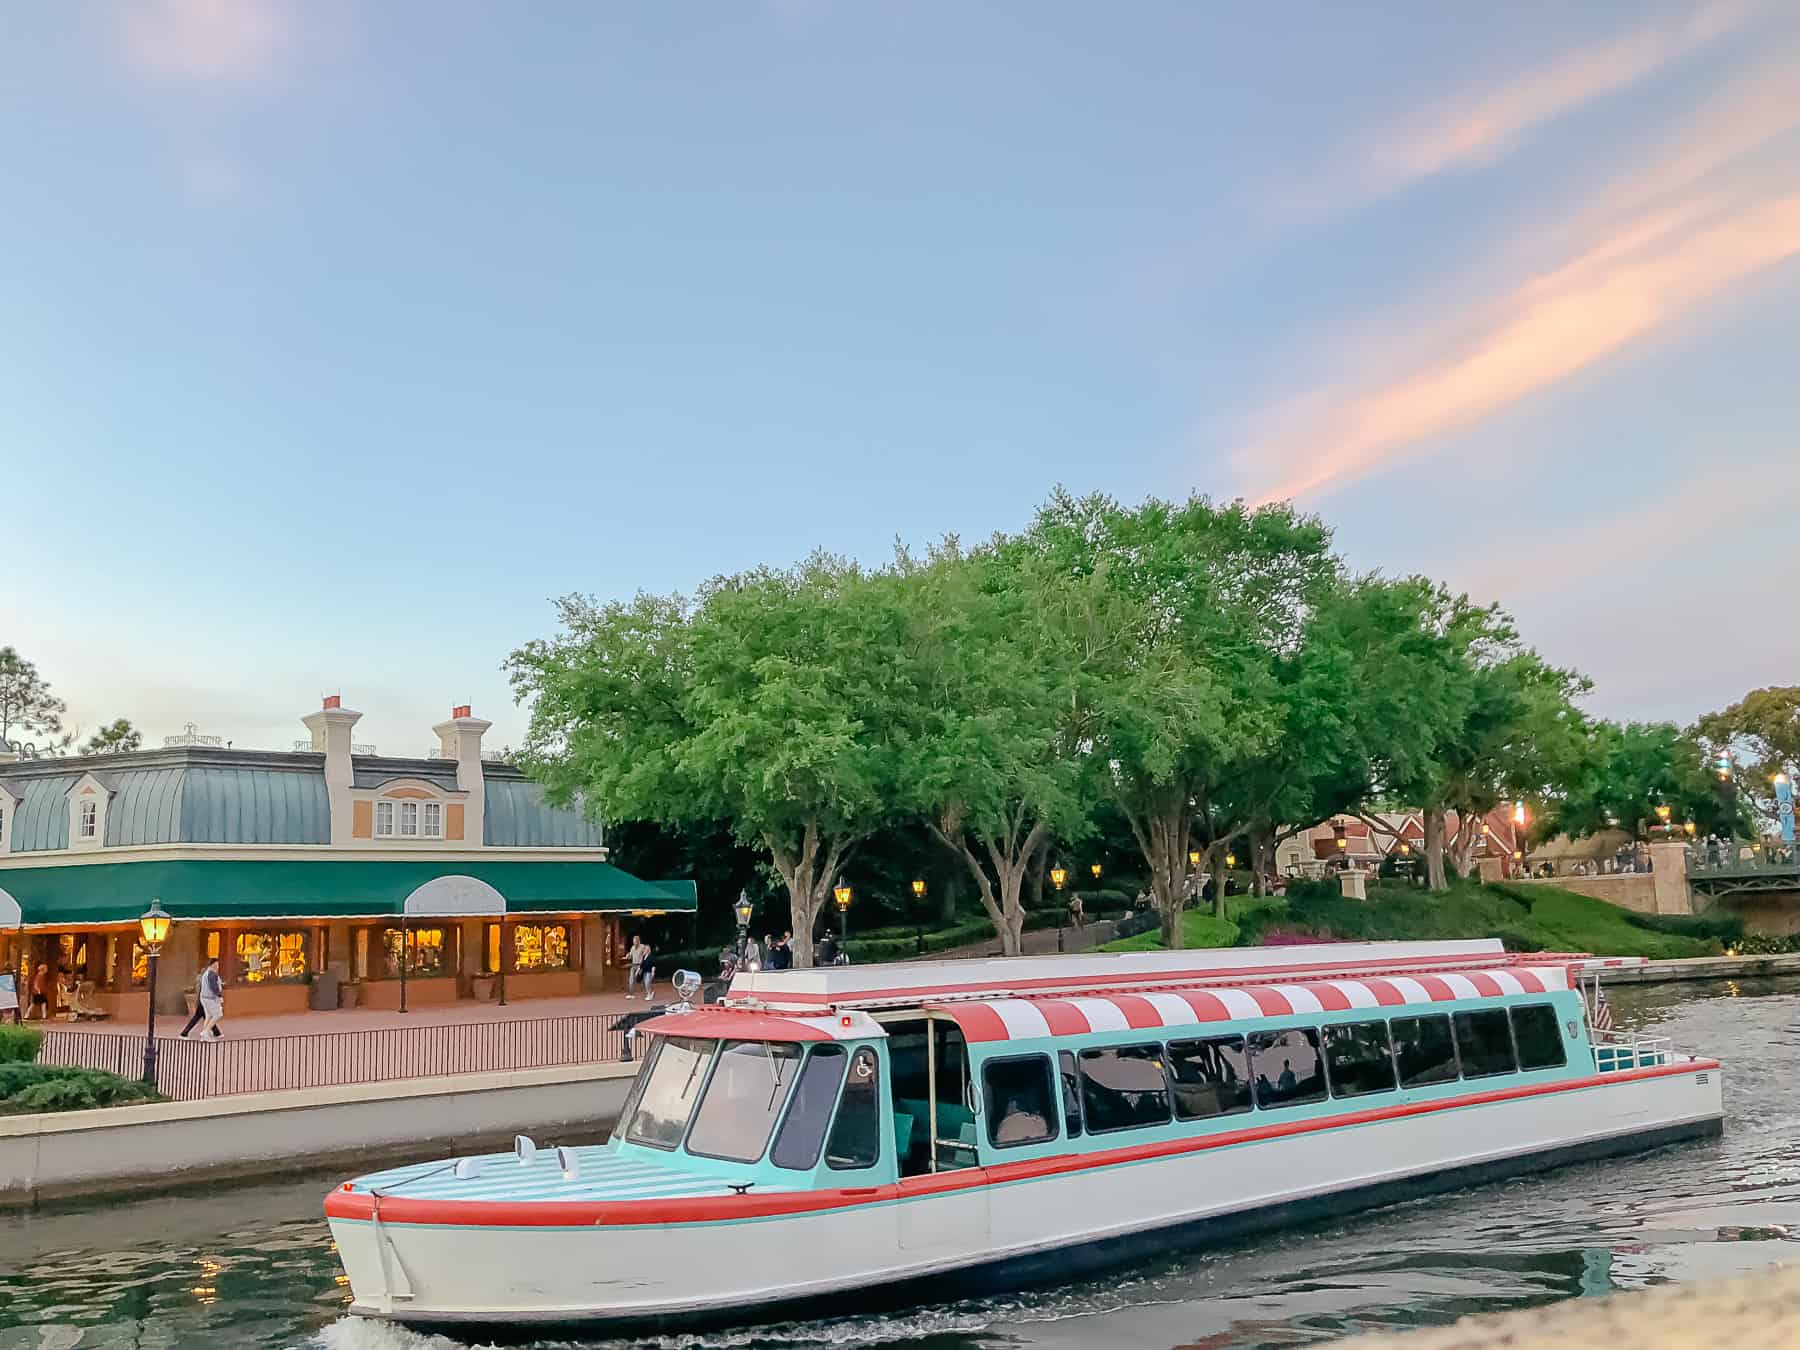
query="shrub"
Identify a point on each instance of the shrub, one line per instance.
(1762, 944)
(1726, 929)
(80, 1090)
(15, 1077)
(19, 1044)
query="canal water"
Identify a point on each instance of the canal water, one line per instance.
(253, 1267)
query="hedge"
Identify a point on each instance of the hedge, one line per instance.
(19, 1044)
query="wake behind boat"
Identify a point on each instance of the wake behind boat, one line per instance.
(840, 1135)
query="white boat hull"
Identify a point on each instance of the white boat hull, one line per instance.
(1027, 1220)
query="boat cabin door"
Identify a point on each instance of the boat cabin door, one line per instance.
(937, 1112)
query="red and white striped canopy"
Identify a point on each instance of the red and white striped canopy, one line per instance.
(1017, 1019)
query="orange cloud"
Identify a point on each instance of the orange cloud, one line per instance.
(1473, 130)
(206, 40)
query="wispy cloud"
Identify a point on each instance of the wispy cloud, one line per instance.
(1478, 126)
(229, 41)
(1703, 214)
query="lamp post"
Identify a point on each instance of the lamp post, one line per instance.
(918, 888)
(1662, 817)
(153, 928)
(743, 911)
(1058, 875)
(843, 903)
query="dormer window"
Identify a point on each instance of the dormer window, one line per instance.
(409, 820)
(90, 821)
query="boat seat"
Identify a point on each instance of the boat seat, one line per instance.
(904, 1124)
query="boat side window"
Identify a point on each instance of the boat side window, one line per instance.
(1359, 1059)
(1210, 1077)
(856, 1133)
(671, 1088)
(749, 1086)
(803, 1132)
(1425, 1050)
(1538, 1037)
(1484, 1043)
(1123, 1087)
(1071, 1093)
(652, 1047)
(1021, 1100)
(1287, 1066)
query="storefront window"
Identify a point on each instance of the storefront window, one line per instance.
(265, 958)
(541, 946)
(428, 947)
(140, 966)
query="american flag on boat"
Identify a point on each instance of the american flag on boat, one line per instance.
(1602, 1016)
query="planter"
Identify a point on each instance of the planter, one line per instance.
(482, 987)
(349, 995)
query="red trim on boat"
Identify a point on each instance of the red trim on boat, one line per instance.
(1139, 1011)
(1331, 998)
(1386, 996)
(1062, 1018)
(396, 1209)
(1485, 984)
(734, 1025)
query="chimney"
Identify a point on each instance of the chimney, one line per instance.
(460, 739)
(331, 729)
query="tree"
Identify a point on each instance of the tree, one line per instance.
(771, 702)
(993, 763)
(1765, 723)
(1625, 772)
(27, 707)
(113, 739)
(1178, 614)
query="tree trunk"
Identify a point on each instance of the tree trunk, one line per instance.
(809, 880)
(1002, 894)
(1259, 863)
(1161, 830)
(1219, 873)
(1434, 849)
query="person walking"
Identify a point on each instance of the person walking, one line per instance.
(212, 999)
(634, 956)
(199, 1014)
(40, 994)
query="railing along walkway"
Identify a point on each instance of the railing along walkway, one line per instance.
(189, 1069)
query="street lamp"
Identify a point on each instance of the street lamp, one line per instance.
(153, 928)
(843, 902)
(1231, 860)
(1689, 827)
(744, 911)
(1662, 815)
(918, 921)
(1194, 858)
(1058, 876)
(1095, 869)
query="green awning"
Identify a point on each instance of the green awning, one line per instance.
(318, 888)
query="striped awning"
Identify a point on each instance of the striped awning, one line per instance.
(1017, 1019)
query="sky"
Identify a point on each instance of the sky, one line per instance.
(338, 339)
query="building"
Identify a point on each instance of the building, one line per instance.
(295, 869)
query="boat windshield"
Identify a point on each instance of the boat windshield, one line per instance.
(749, 1087)
(671, 1086)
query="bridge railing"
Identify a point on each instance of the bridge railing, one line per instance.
(1741, 858)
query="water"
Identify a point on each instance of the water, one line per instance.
(254, 1268)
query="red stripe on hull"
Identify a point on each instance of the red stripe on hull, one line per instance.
(359, 1205)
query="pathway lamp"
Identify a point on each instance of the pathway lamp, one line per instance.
(1662, 815)
(153, 928)
(1194, 858)
(1058, 875)
(1231, 860)
(918, 922)
(743, 911)
(1095, 869)
(1689, 827)
(843, 903)
(1341, 836)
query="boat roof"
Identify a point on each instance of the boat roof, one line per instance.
(720, 1021)
(914, 982)
(1017, 1019)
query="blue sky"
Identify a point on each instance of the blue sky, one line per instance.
(341, 337)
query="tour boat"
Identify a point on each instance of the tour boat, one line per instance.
(827, 1139)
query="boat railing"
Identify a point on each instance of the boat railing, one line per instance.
(1615, 1051)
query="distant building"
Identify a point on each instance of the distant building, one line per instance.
(290, 865)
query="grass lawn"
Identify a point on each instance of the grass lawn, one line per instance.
(1526, 917)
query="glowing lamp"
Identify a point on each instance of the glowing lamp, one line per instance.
(744, 910)
(843, 897)
(1193, 857)
(1058, 876)
(919, 890)
(153, 925)
(1095, 869)
(1231, 860)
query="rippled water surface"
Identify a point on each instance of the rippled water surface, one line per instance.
(245, 1267)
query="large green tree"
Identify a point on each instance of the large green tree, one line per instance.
(991, 759)
(1765, 723)
(771, 701)
(1179, 613)
(30, 715)
(1624, 772)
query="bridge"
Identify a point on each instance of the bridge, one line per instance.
(1766, 869)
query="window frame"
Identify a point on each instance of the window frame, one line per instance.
(87, 819)
(1318, 1049)
(1068, 1074)
(1455, 1051)
(1512, 1048)
(1562, 1045)
(709, 1057)
(1052, 1115)
(829, 1050)
(1249, 1082)
(388, 807)
(240, 971)
(1387, 1031)
(408, 816)
(1160, 1049)
(797, 1062)
(837, 1114)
